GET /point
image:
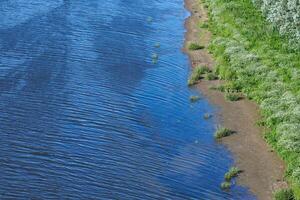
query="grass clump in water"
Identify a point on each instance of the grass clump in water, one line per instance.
(284, 194)
(194, 98)
(229, 96)
(195, 46)
(207, 116)
(223, 132)
(197, 74)
(233, 172)
(225, 185)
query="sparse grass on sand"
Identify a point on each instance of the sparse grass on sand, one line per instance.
(223, 132)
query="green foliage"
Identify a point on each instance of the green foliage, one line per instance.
(284, 194)
(194, 98)
(195, 46)
(232, 96)
(264, 66)
(223, 132)
(233, 172)
(197, 74)
(204, 25)
(225, 185)
(211, 76)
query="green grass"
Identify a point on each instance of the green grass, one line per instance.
(233, 172)
(232, 96)
(194, 98)
(284, 194)
(225, 185)
(251, 54)
(222, 132)
(195, 46)
(197, 74)
(204, 25)
(210, 76)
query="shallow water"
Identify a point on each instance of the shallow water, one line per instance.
(85, 113)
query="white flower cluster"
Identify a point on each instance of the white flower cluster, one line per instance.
(285, 15)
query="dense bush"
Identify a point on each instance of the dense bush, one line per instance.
(252, 55)
(285, 15)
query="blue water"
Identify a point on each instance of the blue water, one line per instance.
(85, 113)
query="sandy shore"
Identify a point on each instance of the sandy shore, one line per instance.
(262, 168)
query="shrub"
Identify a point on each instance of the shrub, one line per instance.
(195, 46)
(284, 194)
(233, 172)
(223, 132)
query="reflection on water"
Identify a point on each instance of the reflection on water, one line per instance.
(86, 114)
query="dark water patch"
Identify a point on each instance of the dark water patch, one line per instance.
(86, 114)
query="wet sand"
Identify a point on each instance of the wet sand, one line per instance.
(263, 170)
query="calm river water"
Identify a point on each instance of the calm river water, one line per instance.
(85, 113)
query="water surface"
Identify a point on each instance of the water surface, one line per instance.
(85, 113)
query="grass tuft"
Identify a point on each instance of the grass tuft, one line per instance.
(195, 46)
(194, 98)
(232, 96)
(225, 185)
(211, 76)
(233, 172)
(223, 132)
(197, 74)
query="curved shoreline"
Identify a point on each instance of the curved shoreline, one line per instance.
(263, 170)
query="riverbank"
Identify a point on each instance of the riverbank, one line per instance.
(263, 171)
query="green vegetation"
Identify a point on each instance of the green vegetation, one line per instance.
(284, 194)
(233, 172)
(253, 55)
(195, 46)
(194, 98)
(204, 25)
(225, 185)
(229, 96)
(211, 76)
(223, 132)
(197, 74)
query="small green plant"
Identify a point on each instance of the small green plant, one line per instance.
(233, 172)
(284, 194)
(229, 96)
(223, 132)
(194, 98)
(225, 185)
(197, 74)
(210, 76)
(204, 25)
(195, 46)
(207, 116)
